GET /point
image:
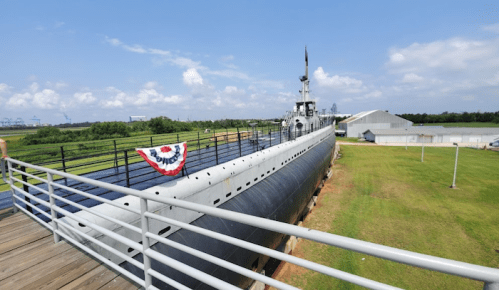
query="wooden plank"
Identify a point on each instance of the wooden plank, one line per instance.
(17, 230)
(30, 275)
(64, 275)
(19, 216)
(6, 212)
(31, 258)
(120, 283)
(94, 279)
(19, 242)
(25, 249)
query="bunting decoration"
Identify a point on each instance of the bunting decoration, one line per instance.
(166, 159)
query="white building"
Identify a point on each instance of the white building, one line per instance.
(430, 134)
(356, 125)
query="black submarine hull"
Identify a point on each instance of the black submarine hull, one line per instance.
(281, 196)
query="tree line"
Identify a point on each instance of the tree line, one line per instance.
(447, 117)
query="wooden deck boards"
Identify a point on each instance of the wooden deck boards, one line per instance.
(29, 259)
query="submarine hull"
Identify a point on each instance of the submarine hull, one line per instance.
(281, 196)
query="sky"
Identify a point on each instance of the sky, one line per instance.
(209, 60)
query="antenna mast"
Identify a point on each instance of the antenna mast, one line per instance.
(304, 79)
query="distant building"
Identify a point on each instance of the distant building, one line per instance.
(356, 125)
(430, 134)
(137, 118)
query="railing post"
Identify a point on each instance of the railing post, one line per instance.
(270, 137)
(126, 169)
(26, 189)
(216, 149)
(50, 180)
(199, 145)
(11, 183)
(280, 134)
(151, 141)
(62, 159)
(178, 139)
(145, 242)
(115, 155)
(239, 141)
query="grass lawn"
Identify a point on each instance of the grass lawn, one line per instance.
(349, 139)
(470, 124)
(386, 195)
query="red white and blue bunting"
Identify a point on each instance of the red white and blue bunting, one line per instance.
(166, 159)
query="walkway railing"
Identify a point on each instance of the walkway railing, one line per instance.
(488, 275)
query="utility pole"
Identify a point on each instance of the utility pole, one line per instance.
(455, 166)
(422, 148)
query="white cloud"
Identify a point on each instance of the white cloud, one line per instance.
(20, 100)
(228, 74)
(192, 77)
(492, 28)
(175, 99)
(337, 82)
(112, 104)
(136, 48)
(85, 98)
(158, 51)
(412, 78)
(46, 99)
(113, 41)
(58, 24)
(468, 98)
(375, 94)
(34, 87)
(151, 85)
(4, 88)
(227, 58)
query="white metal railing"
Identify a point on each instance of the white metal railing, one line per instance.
(489, 276)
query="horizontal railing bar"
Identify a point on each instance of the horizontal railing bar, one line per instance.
(39, 220)
(222, 263)
(32, 206)
(98, 198)
(102, 259)
(167, 280)
(101, 244)
(193, 272)
(443, 265)
(30, 185)
(102, 230)
(111, 219)
(29, 175)
(276, 254)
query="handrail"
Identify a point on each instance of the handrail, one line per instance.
(488, 275)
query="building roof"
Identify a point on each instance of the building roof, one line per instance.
(358, 116)
(437, 130)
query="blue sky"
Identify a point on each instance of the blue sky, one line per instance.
(206, 60)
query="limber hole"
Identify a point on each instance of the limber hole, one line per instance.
(81, 225)
(239, 188)
(228, 194)
(216, 201)
(255, 179)
(164, 230)
(248, 183)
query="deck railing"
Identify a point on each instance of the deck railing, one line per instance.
(489, 275)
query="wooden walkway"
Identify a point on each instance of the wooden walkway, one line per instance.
(29, 259)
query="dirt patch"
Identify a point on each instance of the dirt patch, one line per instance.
(320, 218)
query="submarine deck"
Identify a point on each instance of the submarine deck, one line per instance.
(29, 259)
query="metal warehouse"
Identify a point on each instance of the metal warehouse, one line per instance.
(356, 125)
(471, 136)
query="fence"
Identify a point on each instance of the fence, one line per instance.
(489, 275)
(119, 164)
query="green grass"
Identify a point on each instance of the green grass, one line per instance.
(470, 124)
(386, 195)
